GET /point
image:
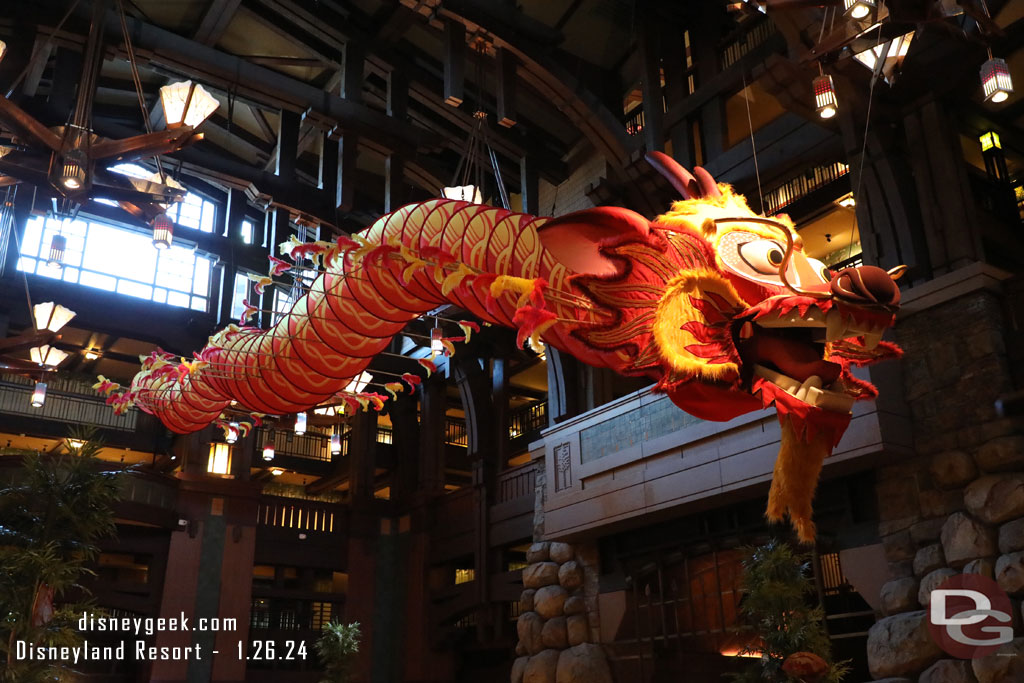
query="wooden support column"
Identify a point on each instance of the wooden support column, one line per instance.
(406, 430)
(433, 403)
(506, 88)
(704, 45)
(352, 73)
(234, 214)
(328, 180)
(563, 386)
(287, 144)
(361, 450)
(677, 89)
(454, 62)
(499, 399)
(396, 190)
(529, 184)
(650, 81)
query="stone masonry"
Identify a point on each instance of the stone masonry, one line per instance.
(958, 504)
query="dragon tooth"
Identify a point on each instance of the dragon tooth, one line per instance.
(834, 327)
(812, 382)
(872, 338)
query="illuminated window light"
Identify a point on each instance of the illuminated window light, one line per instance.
(359, 382)
(220, 459)
(163, 231)
(186, 103)
(996, 82)
(58, 244)
(898, 48)
(335, 444)
(51, 316)
(989, 141)
(825, 97)
(300, 424)
(39, 395)
(858, 9)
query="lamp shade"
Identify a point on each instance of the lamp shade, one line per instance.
(990, 140)
(73, 168)
(858, 9)
(435, 341)
(465, 193)
(55, 258)
(268, 449)
(300, 424)
(39, 395)
(3, 49)
(186, 104)
(825, 97)
(220, 459)
(231, 435)
(335, 444)
(996, 83)
(51, 316)
(47, 355)
(163, 231)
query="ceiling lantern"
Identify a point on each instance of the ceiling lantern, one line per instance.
(990, 140)
(186, 104)
(300, 424)
(436, 340)
(335, 444)
(73, 169)
(463, 193)
(231, 435)
(47, 356)
(219, 461)
(996, 83)
(825, 102)
(268, 447)
(163, 231)
(51, 316)
(859, 9)
(39, 395)
(58, 244)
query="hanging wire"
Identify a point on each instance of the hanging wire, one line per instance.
(864, 143)
(138, 83)
(753, 146)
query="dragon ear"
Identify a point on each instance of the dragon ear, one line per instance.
(575, 239)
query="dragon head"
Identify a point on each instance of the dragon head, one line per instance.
(725, 311)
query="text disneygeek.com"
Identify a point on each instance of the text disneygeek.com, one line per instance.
(141, 649)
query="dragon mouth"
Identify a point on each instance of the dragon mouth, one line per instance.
(802, 346)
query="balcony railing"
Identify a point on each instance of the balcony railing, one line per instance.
(802, 185)
(67, 400)
(757, 34)
(528, 419)
(516, 483)
(300, 515)
(455, 432)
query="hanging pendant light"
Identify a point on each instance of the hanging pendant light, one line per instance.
(186, 104)
(436, 344)
(232, 433)
(336, 444)
(58, 244)
(51, 316)
(300, 424)
(825, 102)
(47, 356)
(858, 9)
(163, 231)
(39, 395)
(996, 82)
(268, 447)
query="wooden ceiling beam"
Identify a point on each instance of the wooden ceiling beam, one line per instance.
(215, 21)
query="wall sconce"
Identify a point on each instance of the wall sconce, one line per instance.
(220, 459)
(186, 103)
(51, 316)
(825, 97)
(996, 82)
(39, 395)
(163, 231)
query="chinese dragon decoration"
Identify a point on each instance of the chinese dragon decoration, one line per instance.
(716, 304)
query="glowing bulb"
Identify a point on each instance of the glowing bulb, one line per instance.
(335, 444)
(300, 424)
(268, 451)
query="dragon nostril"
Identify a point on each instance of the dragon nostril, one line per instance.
(865, 285)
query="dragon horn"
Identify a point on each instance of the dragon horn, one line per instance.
(708, 186)
(682, 180)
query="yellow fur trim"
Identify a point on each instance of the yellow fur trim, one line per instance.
(674, 310)
(795, 477)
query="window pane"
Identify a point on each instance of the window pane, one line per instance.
(71, 274)
(177, 299)
(27, 264)
(32, 237)
(199, 303)
(99, 281)
(46, 270)
(208, 217)
(201, 282)
(159, 295)
(134, 289)
(240, 293)
(247, 231)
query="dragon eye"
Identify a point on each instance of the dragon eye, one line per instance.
(764, 256)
